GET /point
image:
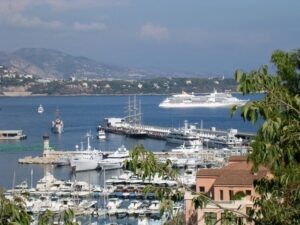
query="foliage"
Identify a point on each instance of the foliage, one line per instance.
(145, 165)
(277, 143)
(12, 212)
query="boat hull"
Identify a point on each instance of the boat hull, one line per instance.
(84, 164)
(201, 105)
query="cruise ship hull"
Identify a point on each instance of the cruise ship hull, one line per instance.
(201, 105)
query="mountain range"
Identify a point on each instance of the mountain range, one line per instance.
(56, 64)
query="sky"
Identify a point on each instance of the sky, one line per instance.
(195, 36)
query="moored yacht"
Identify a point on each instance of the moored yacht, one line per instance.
(86, 159)
(114, 160)
(101, 135)
(184, 135)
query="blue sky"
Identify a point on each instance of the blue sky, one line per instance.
(198, 36)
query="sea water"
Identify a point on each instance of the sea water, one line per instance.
(82, 114)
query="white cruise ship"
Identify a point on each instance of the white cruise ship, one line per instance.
(212, 100)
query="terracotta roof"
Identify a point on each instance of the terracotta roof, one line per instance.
(238, 177)
(235, 173)
(236, 158)
(243, 165)
(209, 172)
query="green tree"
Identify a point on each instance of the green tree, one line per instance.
(12, 212)
(277, 143)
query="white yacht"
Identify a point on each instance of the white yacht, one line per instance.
(228, 140)
(212, 100)
(115, 160)
(57, 124)
(86, 159)
(184, 136)
(188, 149)
(113, 203)
(101, 135)
(40, 109)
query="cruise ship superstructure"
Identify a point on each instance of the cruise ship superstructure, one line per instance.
(212, 100)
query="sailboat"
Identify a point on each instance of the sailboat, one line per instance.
(40, 109)
(57, 124)
(134, 119)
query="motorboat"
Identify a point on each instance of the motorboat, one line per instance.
(110, 164)
(154, 206)
(134, 204)
(184, 135)
(57, 124)
(228, 140)
(188, 177)
(120, 153)
(101, 135)
(113, 203)
(188, 149)
(40, 109)
(63, 161)
(211, 100)
(115, 160)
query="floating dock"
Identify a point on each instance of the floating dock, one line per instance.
(12, 135)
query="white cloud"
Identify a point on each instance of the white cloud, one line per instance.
(93, 26)
(18, 20)
(151, 31)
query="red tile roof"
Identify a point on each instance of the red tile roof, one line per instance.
(239, 177)
(237, 172)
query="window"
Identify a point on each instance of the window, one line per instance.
(210, 218)
(221, 195)
(248, 192)
(202, 189)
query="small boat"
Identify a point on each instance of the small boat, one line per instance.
(101, 135)
(63, 161)
(40, 109)
(57, 124)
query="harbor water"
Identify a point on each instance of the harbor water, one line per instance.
(82, 114)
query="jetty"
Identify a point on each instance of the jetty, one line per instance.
(51, 156)
(123, 127)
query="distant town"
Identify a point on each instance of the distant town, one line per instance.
(13, 83)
